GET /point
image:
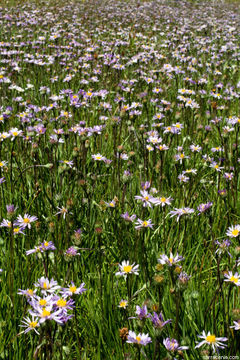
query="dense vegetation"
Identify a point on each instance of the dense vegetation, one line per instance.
(119, 160)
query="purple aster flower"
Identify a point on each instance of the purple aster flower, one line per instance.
(140, 339)
(73, 290)
(143, 224)
(127, 217)
(223, 246)
(172, 345)
(71, 252)
(204, 207)
(142, 313)
(158, 321)
(184, 278)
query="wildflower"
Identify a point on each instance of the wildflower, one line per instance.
(127, 217)
(204, 207)
(170, 261)
(14, 132)
(173, 345)
(126, 269)
(63, 211)
(10, 209)
(47, 245)
(182, 178)
(3, 163)
(67, 162)
(223, 246)
(35, 250)
(234, 279)
(143, 224)
(47, 286)
(183, 278)
(222, 192)
(73, 290)
(18, 230)
(123, 304)
(236, 325)
(142, 313)
(158, 321)
(71, 252)
(98, 157)
(146, 198)
(163, 201)
(228, 176)
(25, 221)
(190, 171)
(214, 165)
(195, 148)
(30, 324)
(140, 339)
(111, 204)
(145, 185)
(6, 223)
(180, 212)
(46, 313)
(162, 147)
(63, 304)
(29, 292)
(233, 231)
(212, 340)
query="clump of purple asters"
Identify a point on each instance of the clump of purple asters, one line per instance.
(48, 301)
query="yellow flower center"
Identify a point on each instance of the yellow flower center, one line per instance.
(46, 244)
(170, 260)
(182, 156)
(234, 279)
(45, 286)
(30, 292)
(45, 313)
(42, 302)
(235, 232)
(216, 166)
(1, 163)
(127, 268)
(163, 199)
(73, 289)
(111, 204)
(26, 221)
(146, 198)
(123, 303)
(33, 324)
(98, 157)
(61, 303)
(15, 133)
(16, 230)
(138, 339)
(211, 339)
(145, 223)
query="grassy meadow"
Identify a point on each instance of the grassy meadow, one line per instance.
(119, 184)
